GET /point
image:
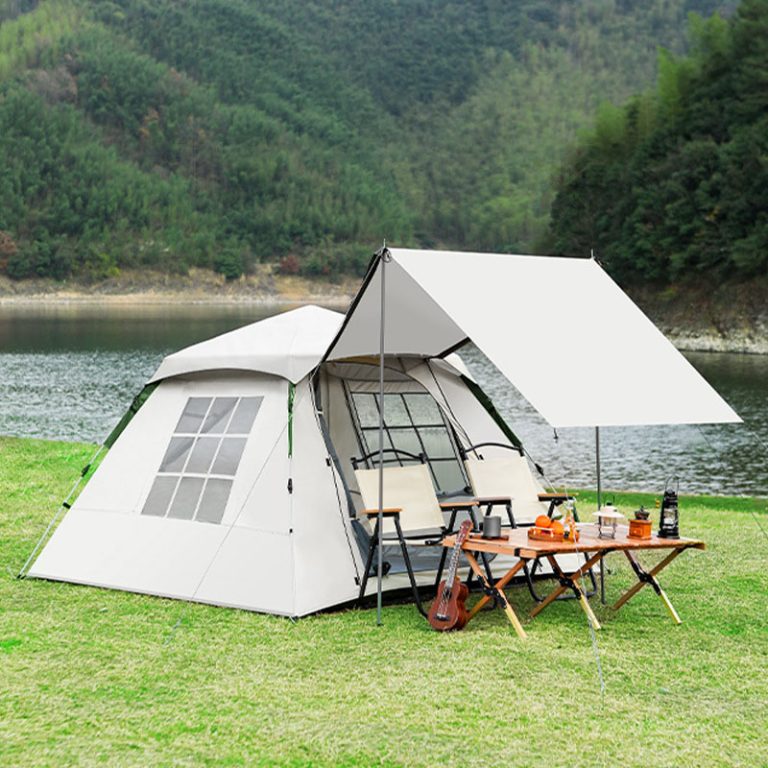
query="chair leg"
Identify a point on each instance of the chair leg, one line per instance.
(369, 561)
(408, 567)
(529, 573)
(510, 516)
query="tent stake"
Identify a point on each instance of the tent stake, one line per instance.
(384, 257)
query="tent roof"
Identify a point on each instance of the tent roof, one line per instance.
(290, 345)
(574, 344)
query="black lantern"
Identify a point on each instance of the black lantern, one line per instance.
(669, 517)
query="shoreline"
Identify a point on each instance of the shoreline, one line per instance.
(198, 287)
(152, 298)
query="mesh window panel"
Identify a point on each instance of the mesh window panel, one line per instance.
(437, 443)
(214, 500)
(245, 414)
(193, 415)
(414, 424)
(197, 450)
(395, 414)
(160, 496)
(424, 409)
(406, 440)
(371, 439)
(176, 455)
(202, 455)
(448, 476)
(229, 455)
(219, 414)
(187, 496)
(367, 411)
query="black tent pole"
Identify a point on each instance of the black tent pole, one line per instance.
(384, 258)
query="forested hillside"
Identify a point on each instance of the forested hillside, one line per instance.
(674, 185)
(221, 133)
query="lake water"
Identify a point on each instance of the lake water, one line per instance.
(69, 372)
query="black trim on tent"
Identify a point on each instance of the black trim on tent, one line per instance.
(138, 401)
(333, 462)
(486, 402)
(458, 345)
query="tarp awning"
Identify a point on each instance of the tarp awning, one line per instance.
(559, 329)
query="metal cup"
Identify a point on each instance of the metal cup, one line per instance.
(491, 527)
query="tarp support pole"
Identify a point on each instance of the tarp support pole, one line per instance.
(599, 507)
(384, 257)
(597, 467)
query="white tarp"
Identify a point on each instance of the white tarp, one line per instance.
(571, 341)
(288, 345)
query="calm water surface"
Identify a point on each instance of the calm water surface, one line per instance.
(69, 372)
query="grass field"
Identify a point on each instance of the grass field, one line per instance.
(95, 677)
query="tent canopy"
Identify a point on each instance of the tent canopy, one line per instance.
(289, 345)
(559, 329)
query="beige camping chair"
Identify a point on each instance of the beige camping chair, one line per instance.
(411, 515)
(507, 481)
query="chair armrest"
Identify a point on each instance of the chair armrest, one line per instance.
(557, 497)
(494, 501)
(387, 512)
(460, 504)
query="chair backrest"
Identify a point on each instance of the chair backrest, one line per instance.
(507, 476)
(409, 488)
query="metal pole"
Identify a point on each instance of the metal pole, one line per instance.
(599, 507)
(597, 467)
(380, 565)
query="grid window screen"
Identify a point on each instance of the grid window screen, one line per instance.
(214, 500)
(219, 415)
(193, 415)
(244, 416)
(195, 476)
(160, 496)
(176, 456)
(202, 455)
(413, 422)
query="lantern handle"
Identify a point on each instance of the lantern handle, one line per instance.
(672, 479)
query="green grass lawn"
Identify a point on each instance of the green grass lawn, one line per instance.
(95, 677)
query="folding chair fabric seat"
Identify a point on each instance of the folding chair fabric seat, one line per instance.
(508, 476)
(511, 477)
(409, 488)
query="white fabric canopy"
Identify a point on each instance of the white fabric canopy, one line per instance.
(574, 344)
(288, 345)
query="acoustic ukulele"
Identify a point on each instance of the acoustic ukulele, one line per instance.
(447, 611)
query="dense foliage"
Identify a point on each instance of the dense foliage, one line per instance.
(219, 133)
(675, 183)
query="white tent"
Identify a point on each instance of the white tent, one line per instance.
(193, 500)
(232, 483)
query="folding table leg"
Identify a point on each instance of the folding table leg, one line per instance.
(571, 582)
(497, 591)
(649, 577)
